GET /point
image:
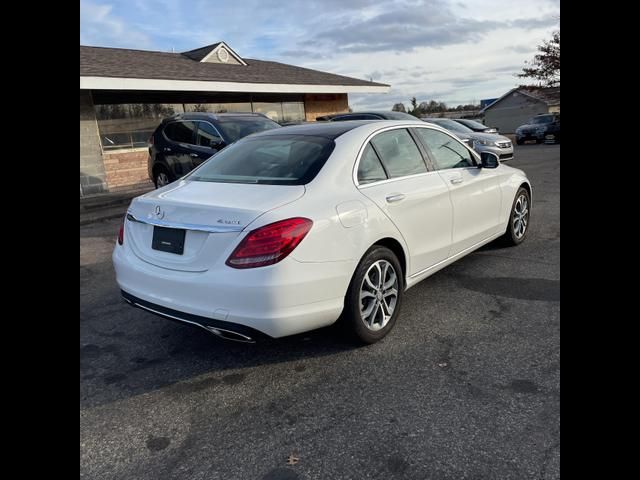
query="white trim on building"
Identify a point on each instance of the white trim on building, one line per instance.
(121, 83)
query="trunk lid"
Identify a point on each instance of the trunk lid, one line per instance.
(213, 216)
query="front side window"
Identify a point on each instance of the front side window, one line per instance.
(399, 153)
(272, 160)
(207, 135)
(370, 169)
(446, 151)
(180, 132)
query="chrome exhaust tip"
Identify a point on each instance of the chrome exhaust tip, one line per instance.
(229, 335)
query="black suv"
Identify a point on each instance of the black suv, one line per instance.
(366, 116)
(184, 141)
(541, 128)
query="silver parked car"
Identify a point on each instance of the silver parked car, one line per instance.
(480, 142)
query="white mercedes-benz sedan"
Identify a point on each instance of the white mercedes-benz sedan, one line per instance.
(291, 229)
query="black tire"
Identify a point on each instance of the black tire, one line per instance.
(511, 237)
(351, 317)
(158, 172)
(519, 142)
(539, 141)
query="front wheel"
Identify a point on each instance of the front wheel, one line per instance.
(372, 303)
(518, 218)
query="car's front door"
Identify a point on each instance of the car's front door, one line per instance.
(208, 142)
(475, 192)
(392, 172)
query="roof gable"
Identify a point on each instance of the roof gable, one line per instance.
(218, 52)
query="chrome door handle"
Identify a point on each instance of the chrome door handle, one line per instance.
(166, 149)
(396, 197)
(193, 154)
(455, 180)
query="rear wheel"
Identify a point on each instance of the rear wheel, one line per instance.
(162, 177)
(519, 142)
(373, 301)
(518, 219)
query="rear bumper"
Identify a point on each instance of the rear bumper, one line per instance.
(284, 299)
(228, 330)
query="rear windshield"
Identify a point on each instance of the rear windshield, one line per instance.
(271, 160)
(542, 119)
(234, 128)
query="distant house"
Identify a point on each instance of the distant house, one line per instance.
(518, 105)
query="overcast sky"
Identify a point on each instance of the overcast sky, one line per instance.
(443, 50)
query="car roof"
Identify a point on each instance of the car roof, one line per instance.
(330, 130)
(333, 130)
(380, 113)
(213, 116)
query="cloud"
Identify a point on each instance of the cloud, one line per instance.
(99, 26)
(445, 50)
(549, 20)
(431, 23)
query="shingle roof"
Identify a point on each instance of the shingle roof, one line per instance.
(117, 62)
(549, 95)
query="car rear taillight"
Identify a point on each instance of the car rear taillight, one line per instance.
(121, 233)
(269, 244)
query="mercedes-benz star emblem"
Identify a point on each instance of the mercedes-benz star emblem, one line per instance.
(158, 211)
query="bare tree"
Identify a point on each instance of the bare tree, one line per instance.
(545, 66)
(399, 107)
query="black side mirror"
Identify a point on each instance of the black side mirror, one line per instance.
(216, 143)
(489, 160)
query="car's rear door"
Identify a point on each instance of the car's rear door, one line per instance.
(180, 136)
(393, 173)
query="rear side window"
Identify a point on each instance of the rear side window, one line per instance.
(180, 132)
(370, 169)
(272, 160)
(446, 151)
(399, 153)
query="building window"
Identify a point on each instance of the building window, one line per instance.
(243, 107)
(293, 111)
(281, 112)
(273, 110)
(129, 125)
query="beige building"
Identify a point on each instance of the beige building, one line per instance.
(124, 94)
(518, 105)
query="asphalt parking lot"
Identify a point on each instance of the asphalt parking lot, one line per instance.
(467, 385)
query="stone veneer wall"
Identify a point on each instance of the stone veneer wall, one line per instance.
(126, 168)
